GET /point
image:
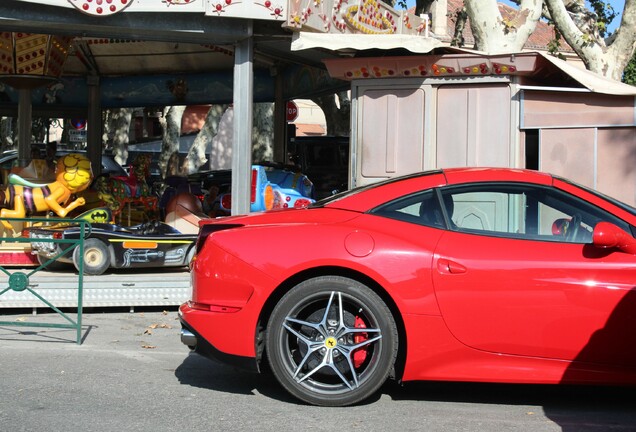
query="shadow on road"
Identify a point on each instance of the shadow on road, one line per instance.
(202, 372)
(198, 371)
(44, 334)
(573, 408)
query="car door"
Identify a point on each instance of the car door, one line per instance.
(509, 280)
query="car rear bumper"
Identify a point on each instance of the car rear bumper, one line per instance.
(50, 250)
(199, 344)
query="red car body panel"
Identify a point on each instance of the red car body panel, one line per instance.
(221, 268)
(473, 307)
(524, 299)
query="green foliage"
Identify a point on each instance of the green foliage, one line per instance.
(605, 14)
(459, 17)
(554, 44)
(629, 74)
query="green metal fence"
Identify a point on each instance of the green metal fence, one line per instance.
(20, 280)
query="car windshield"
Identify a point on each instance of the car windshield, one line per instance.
(614, 201)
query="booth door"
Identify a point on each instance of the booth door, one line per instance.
(473, 126)
(391, 133)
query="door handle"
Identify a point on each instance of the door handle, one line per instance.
(446, 266)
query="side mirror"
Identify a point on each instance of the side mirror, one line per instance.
(607, 235)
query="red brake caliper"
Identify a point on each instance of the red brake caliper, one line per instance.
(360, 355)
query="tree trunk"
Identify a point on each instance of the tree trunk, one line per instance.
(494, 34)
(106, 128)
(7, 133)
(263, 132)
(337, 113)
(262, 137)
(171, 127)
(121, 128)
(196, 155)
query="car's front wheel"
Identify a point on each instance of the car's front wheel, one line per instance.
(331, 341)
(96, 257)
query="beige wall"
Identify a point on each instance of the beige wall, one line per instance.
(569, 153)
(617, 163)
(542, 109)
(588, 138)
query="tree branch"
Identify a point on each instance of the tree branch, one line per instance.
(608, 61)
(624, 41)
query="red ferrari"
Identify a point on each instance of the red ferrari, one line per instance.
(497, 275)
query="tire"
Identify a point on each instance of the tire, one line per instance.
(315, 350)
(96, 257)
(53, 265)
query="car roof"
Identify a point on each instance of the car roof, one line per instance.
(482, 174)
(366, 197)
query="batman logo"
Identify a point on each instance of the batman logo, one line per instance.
(99, 216)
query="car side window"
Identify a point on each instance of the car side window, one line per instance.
(523, 211)
(421, 208)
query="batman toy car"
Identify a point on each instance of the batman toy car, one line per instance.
(108, 245)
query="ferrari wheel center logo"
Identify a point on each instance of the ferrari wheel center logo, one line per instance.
(331, 342)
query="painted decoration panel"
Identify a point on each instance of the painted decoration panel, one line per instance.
(352, 16)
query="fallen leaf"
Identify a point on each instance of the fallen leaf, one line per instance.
(149, 346)
(21, 319)
(154, 326)
(148, 332)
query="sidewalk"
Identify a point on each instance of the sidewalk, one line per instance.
(128, 288)
(104, 328)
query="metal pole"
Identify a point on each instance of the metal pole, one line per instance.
(24, 126)
(280, 120)
(94, 125)
(242, 131)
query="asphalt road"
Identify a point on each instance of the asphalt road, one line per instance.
(131, 373)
